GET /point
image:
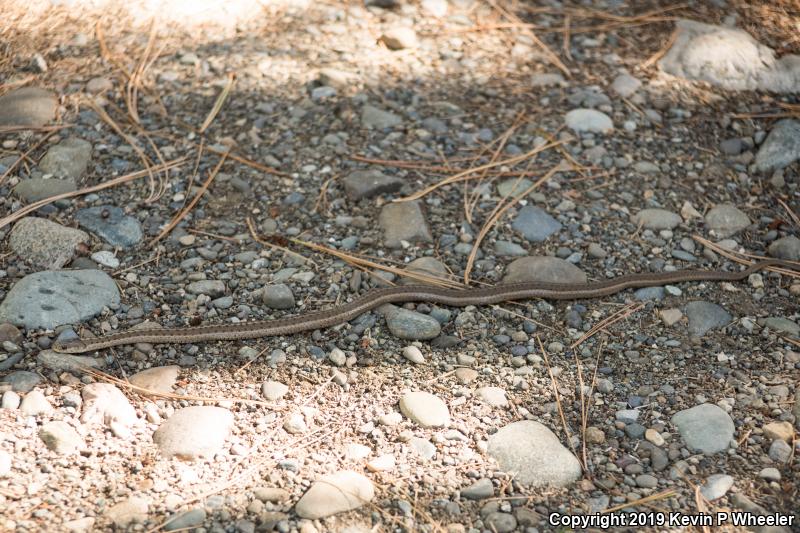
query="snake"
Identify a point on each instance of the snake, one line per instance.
(409, 293)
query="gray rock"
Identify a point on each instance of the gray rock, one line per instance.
(422, 447)
(428, 266)
(705, 428)
(335, 493)
(545, 269)
(372, 117)
(27, 106)
(779, 451)
(273, 390)
(657, 219)
(625, 85)
(649, 293)
(278, 296)
(646, 481)
(533, 454)
(368, 183)
(127, 512)
(403, 221)
(509, 249)
(157, 379)
(68, 159)
(71, 297)
(770, 474)
(545, 79)
(111, 224)
(500, 522)
(34, 403)
(781, 147)
(731, 146)
(480, 490)
(729, 58)
(783, 325)
(725, 220)
(35, 189)
(194, 432)
(61, 438)
(786, 248)
(705, 316)
(513, 187)
(44, 243)
(410, 325)
(588, 120)
(400, 38)
(64, 362)
(535, 224)
(494, 396)
(716, 486)
(210, 287)
(186, 520)
(425, 409)
(22, 380)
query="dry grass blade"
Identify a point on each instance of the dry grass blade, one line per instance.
(43, 129)
(466, 174)
(248, 162)
(254, 233)
(498, 212)
(219, 102)
(621, 314)
(788, 210)
(653, 59)
(16, 215)
(663, 495)
(25, 156)
(185, 211)
(745, 258)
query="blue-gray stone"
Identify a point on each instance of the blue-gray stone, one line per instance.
(705, 428)
(781, 148)
(649, 293)
(52, 298)
(410, 325)
(535, 224)
(22, 380)
(111, 224)
(705, 316)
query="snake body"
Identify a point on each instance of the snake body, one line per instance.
(410, 293)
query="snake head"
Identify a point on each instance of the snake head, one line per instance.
(69, 346)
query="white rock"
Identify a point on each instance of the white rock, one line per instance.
(335, 493)
(413, 354)
(193, 432)
(588, 120)
(425, 409)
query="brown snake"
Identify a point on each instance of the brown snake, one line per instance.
(411, 293)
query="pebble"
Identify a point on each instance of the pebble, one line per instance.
(186, 520)
(34, 403)
(494, 396)
(705, 428)
(543, 268)
(513, 187)
(654, 437)
(422, 447)
(480, 490)
(158, 378)
(425, 409)
(782, 325)
(368, 183)
(646, 481)
(64, 362)
(271, 494)
(67, 159)
(509, 249)
(61, 438)
(413, 354)
(428, 266)
(726, 220)
(11, 400)
(533, 454)
(657, 219)
(384, 463)
(103, 403)
(670, 316)
(194, 432)
(72, 297)
(781, 147)
(372, 117)
(400, 38)
(278, 296)
(22, 380)
(44, 243)
(105, 258)
(27, 106)
(625, 85)
(779, 451)
(716, 486)
(588, 120)
(410, 325)
(403, 222)
(273, 390)
(128, 512)
(466, 375)
(785, 248)
(705, 316)
(335, 493)
(770, 474)
(779, 431)
(111, 224)
(535, 224)
(500, 522)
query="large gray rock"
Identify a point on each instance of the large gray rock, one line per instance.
(372, 117)
(781, 147)
(52, 298)
(729, 58)
(726, 220)
(705, 428)
(111, 224)
(67, 159)
(28, 106)
(335, 493)
(705, 316)
(35, 189)
(367, 183)
(543, 268)
(44, 243)
(533, 454)
(403, 221)
(535, 224)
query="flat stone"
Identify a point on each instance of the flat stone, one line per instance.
(670, 316)
(104, 403)
(729, 58)
(186, 520)
(427, 266)
(22, 380)
(368, 183)
(335, 493)
(480, 490)
(372, 117)
(35, 189)
(425, 409)
(422, 447)
(785, 248)
(210, 287)
(403, 221)
(779, 430)
(111, 224)
(494, 396)
(278, 296)
(782, 325)
(657, 219)
(513, 187)
(705, 428)
(410, 325)
(545, 269)
(194, 432)
(705, 316)
(625, 85)
(271, 494)
(273, 390)
(726, 220)
(400, 38)
(157, 379)
(34, 403)
(781, 148)
(588, 120)
(52, 298)
(716, 486)
(61, 438)
(127, 512)
(533, 454)
(500, 522)
(45, 244)
(67, 159)
(65, 362)
(535, 224)
(27, 106)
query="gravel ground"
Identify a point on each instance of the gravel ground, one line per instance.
(414, 417)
